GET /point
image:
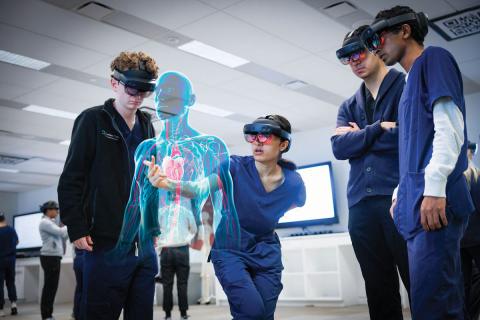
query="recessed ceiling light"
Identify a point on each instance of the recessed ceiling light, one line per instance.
(211, 53)
(51, 112)
(22, 61)
(65, 142)
(9, 170)
(211, 110)
(295, 84)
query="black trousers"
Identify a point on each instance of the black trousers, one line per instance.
(175, 261)
(7, 275)
(379, 249)
(51, 271)
(471, 277)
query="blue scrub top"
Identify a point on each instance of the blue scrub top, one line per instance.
(8, 243)
(259, 211)
(435, 74)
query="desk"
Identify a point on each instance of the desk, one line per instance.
(29, 280)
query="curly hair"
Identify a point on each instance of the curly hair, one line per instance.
(134, 61)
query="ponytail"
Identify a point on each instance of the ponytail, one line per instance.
(287, 164)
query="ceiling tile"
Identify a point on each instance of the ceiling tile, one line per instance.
(333, 77)
(43, 18)
(28, 148)
(293, 21)
(46, 49)
(167, 13)
(230, 34)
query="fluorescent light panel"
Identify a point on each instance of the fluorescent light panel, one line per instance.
(9, 170)
(65, 142)
(22, 61)
(211, 53)
(51, 112)
(211, 110)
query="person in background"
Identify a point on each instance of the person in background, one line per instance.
(50, 255)
(205, 234)
(470, 245)
(8, 243)
(175, 260)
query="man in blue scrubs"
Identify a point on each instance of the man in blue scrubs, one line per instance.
(433, 203)
(367, 136)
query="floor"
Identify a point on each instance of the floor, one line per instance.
(211, 312)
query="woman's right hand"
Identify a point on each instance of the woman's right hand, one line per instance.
(156, 176)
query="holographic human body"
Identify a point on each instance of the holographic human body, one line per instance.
(193, 167)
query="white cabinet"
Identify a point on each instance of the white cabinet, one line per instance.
(319, 270)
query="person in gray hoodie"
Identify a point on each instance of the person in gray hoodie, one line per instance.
(50, 255)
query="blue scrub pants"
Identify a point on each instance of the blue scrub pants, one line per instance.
(436, 280)
(109, 286)
(78, 269)
(252, 290)
(379, 249)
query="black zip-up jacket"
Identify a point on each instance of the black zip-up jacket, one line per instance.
(95, 183)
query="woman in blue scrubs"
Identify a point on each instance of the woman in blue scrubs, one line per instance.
(265, 187)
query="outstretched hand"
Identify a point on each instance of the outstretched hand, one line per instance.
(155, 174)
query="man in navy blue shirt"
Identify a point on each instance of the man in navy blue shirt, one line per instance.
(367, 136)
(8, 244)
(433, 203)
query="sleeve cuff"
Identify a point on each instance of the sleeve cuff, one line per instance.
(435, 188)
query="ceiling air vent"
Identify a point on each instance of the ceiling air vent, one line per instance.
(95, 10)
(340, 9)
(458, 24)
(11, 160)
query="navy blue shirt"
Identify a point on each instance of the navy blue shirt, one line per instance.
(258, 210)
(132, 137)
(371, 151)
(472, 233)
(8, 242)
(434, 75)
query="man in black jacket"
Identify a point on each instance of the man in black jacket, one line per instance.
(94, 188)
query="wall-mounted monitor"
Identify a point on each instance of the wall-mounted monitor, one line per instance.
(320, 205)
(26, 225)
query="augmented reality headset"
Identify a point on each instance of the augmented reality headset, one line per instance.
(140, 80)
(371, 36)
(472, 146)
(350, 48)
(267, 126)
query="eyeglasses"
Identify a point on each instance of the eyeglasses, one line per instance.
(354, 57)
(265, 138)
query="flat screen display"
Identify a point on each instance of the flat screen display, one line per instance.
(26, 226)
(319, 207)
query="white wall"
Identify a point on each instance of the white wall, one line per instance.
(31, 200)
(8, 204)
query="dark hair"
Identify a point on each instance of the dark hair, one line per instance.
(48, 205)
(285, 125)
(2, 216)
(354, 34)
(417, 33)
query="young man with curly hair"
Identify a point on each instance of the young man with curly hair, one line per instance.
(94, 188)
